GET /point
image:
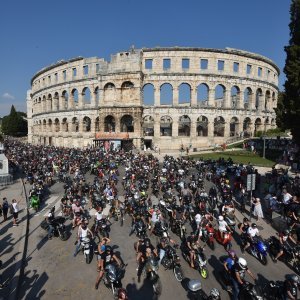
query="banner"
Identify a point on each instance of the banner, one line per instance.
(112, 135)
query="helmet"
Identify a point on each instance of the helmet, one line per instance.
(295, 279)
(286, 232)
(245, 220)
(242, 263)
(221, 218)
(253, 225)
(214, 293)
(232, 253)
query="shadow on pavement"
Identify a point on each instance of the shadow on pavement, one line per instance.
(145, 292)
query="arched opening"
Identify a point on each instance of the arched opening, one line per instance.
(234, 126)
(258, 125)
(97, 124)
(219, 126)
(75, 125)
(56, 125)
(166, 126)
(86, 95)
(166, 94)
(258, 98)
(44, 104)
(267, 124)
(273, 100)
(148, 94)
(127, 90)
(202, 126)
(109, 124)
(56, 101)
(97, 96)
(219, 95)
(267, 100)
(202, 94)
(184, 94)
(273, 123)
(184, 126)
(109, 92)
(235, 96)
(44, 125)
(49, 103)
(65, 99)
(247, 127)
(74, 95)
(65, 126)
(127, 124)
(86, 124)
(248, 94)
(148, 126)
(50, 125)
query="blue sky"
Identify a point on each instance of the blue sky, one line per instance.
(37, 33)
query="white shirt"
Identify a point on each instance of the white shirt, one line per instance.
(198, 218)
(99, 216)
(286, 198)
(15, 207)
(155, 217)
(253, 231)
(223, 225)
(83, 233)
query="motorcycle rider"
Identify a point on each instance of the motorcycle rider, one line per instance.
(77, 211)
(284, 237)
(229, 263)
(106, 257)
(291, 287)
(252, 234)
(238, 271)
(50, 219)
(222, 226)
(162, 246)
(83, 232)
(191, 243)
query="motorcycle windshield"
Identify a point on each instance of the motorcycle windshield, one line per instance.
(261, 246)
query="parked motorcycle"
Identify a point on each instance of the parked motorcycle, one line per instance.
(59, 227)
(230, 220)
(226, 240)
(208, 236)
(250, 291)
(151, 272)
(274, 290)
(161, 229)
(179, 228)
(171, 261)
(259, 250)
(112, 278)
(87, 249)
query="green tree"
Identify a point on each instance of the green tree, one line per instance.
(288, 117)
(14, 124)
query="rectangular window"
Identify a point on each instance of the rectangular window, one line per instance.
(268, 74)
(97, 68)
(203, 64)
(74, 72)
(64, 74)
(148, 64)
(236, 66)
(56, 77)
(185, 64)
(49, 79)
(259, 71)
(249, 69)
(166, 63)
(85, 70)
(43, 81)
(221, 64)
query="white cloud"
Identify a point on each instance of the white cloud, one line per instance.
(8, 96)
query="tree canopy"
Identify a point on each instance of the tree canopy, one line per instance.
(288, 111)
(14, 124)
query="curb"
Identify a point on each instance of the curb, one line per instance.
(15, 283)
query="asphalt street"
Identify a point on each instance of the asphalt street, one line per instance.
(52, 272)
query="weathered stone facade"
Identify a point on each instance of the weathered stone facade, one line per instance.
(165, 97)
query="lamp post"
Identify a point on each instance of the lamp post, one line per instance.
(264, 147)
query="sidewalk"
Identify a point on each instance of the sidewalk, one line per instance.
(12, 241)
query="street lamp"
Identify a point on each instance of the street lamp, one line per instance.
(264, 147)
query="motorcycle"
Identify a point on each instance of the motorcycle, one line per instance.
(208, 234)
(101, 227)
(230, 220)
(161, 229)
(200, 262)
(259, 250)
(151, 272)
(59, 227)
(112, 278)
(274, 290)
(34, 202)
(250, 291)
(290, 255)
(179, 228)
(226, 240)
(171, 261)
(140, 229)
(86, 247)
(195, 291)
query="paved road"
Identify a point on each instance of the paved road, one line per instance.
(52, 272)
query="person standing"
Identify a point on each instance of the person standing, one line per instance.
(15, 211)
(5, 207)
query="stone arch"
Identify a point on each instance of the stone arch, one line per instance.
(86, 95)
(202, 126)
(235, 96)
(97, 124)
(219, 126)
(247, 127)
(97, 96)
(267, 124)
(234, 126)
(248, 98)
(65, 125)
(166, 94)
(258, 98)
(274, 100)
(49, 103)
(202, 94)
(166, 123)
(184, 126)
(65, 99)
(184, 91)
(44, 104)
(109, 92)
(220, 91)
(148, 94)
(56, 101)
(148, 126)
(44, 125)
(267, 105)
(258, 126)
(56, 125)
(86, 122)
(127, 123)
(75, 125)
(127, 90)
(74, 97)
(109, 124)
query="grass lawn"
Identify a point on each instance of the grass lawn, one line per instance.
(243, 157)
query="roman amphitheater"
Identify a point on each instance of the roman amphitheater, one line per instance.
(153, 97)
